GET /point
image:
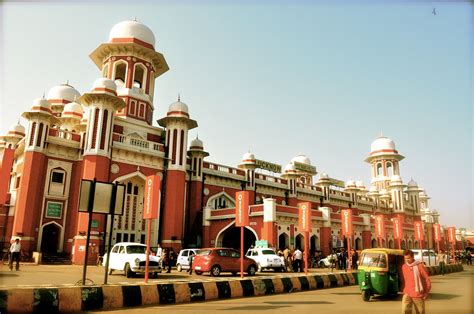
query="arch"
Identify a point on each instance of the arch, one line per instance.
(391, 244)
(220, 200)
(105, 70)
(374, 243)
(139, 76)
(119, 73)
(416, 245)
(283, 241)
(314, 243)
(51, 237)
(299, 242)
(403, 244)
(131, 175)
(389, 169)
(358, 244)
(410, 244)
(379, 171)
(383, 243)
(222, 233)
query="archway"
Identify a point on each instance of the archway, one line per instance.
(383, 243)
(374, 243)
(299, 242)
(50, 238)
(390, 244)
(404, 245)
(314, 243)
(410, 244)
(283, 241)
(231, 238)
(358, 244)
(417, 245)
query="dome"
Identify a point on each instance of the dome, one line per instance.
(63, 91)
(248, 156)
(324, 175)
(301, 159)
(412, 183)
(382, 143)
(132, 29)
(373, 189)
(41, 104)
(17, 129)
(383, 192)
(197, 143)
(289, 167)
(72, 110)
(360, 184)
(350, 183)
(178, 107)
(396, 178)
(105, 85)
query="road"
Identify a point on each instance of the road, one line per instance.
(450, 294)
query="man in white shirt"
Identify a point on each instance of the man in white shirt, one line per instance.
(298, 257)
(159, 253)
(15, 249)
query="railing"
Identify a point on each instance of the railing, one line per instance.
(67, 135)
(225, 169)
(133, 141)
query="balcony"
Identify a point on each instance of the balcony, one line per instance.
(137, 144)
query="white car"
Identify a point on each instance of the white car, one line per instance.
(429, 257)
(131, 258)
(182, 261)
(266, 259)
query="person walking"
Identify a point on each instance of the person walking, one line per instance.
(190, 260)
(297, 259)
(15, 249)
(159, 253)
(441, 257)
(170, 259)
(355, 258)
(416, 284)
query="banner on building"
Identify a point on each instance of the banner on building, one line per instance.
(437, 232)
(452, 235)
(419, 232)
(242, 199)
(304, 214)
(346, 222)
(380, 226)
(397, 227)
(152, 197)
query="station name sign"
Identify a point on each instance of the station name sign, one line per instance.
(304, 167)
(265, 165)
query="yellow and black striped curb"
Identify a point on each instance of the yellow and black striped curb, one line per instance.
(75, 299)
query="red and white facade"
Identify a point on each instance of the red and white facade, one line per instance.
(108, 134)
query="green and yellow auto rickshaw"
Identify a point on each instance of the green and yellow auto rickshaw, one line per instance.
(379, 272)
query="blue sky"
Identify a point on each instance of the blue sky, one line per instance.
(313, 77)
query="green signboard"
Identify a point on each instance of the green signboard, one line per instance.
(54, 210)
(261, 243)
(95, 224)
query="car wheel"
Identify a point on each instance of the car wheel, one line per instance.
(179, 268)
(198, 272)
(252, 270)
(366, 295)
(215, 270)
(128, 271)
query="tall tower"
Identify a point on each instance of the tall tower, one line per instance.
(30, 198)
(61, 95)
(130, 60)
(414, 196)
(102, 102)
(384, 162)
(249, 165)
(291, 175)
(177, 123)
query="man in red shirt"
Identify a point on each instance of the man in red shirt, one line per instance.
(417, 284)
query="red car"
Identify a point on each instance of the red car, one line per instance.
(217, 260)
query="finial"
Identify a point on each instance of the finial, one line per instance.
(67, 82)
(179, 98)
(135, 19)
(381, 134)
(43, 95)
(197, 135)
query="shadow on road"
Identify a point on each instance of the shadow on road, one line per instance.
(443, 296)
(299, 302)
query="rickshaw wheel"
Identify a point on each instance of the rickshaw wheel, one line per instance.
(366, 295)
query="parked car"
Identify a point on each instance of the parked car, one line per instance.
(131, 258)
(429, 257)
(327, 261)
(182, 261)
(266, 259)
(217, 260)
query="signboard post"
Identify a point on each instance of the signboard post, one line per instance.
(346, 226)
(398, 230)
(380, 228)
(437, 235)
(242, 220)
(304, 225)
(150, 211)
(452, 241)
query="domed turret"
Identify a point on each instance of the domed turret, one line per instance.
(63, 93)
(17, 130)
(412, 183)
(396, 179)
(324, 175)
(248, 157)
(41, 105)
(128, 30)
(178, 109)
(382, 143)
(73, 110)
(104, 85)
(289, 168)
(350, 184)
(301, 159)
(197, 144)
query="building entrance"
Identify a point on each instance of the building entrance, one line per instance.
(50, 238)
(231, 238)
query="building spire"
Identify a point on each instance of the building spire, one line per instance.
(179, 98)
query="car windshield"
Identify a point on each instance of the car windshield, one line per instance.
(136, 249)
(268, 252)
(374, 260)
(204, 252)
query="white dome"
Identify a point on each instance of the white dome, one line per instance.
(248, 156)
(63, 91)
(40, 104)
(382, 143)
(360, 184)
(17, 129)
(197, 143)
(301, 159)
(324, 175)
(350, 183)
(178, 107)
(412, 183)
(383, 192)
(373, 189)
(289, 167)
(104, 85)
(132, 29)
(396, 178)
(72, 110)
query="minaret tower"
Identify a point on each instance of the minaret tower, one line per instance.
(249, 165)
(414, 196)
(177, 123)
(61, 95)
(384, 161)
(30, 198)
(102, 102)
(291, 175)
(130, 60)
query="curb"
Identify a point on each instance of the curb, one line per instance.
(76, 299)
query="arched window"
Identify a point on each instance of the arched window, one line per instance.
(379, 170)
(139, 76)
(57, 181)
(105, 70)
(389, 169)
(120, 73)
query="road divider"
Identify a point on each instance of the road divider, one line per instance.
(106, 297)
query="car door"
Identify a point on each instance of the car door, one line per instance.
(223, 259)
(234, 261)
(113, 257)
(183, 258)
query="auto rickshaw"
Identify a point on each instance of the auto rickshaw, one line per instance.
(379, 272)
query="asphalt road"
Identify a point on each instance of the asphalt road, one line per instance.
(450, 294)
